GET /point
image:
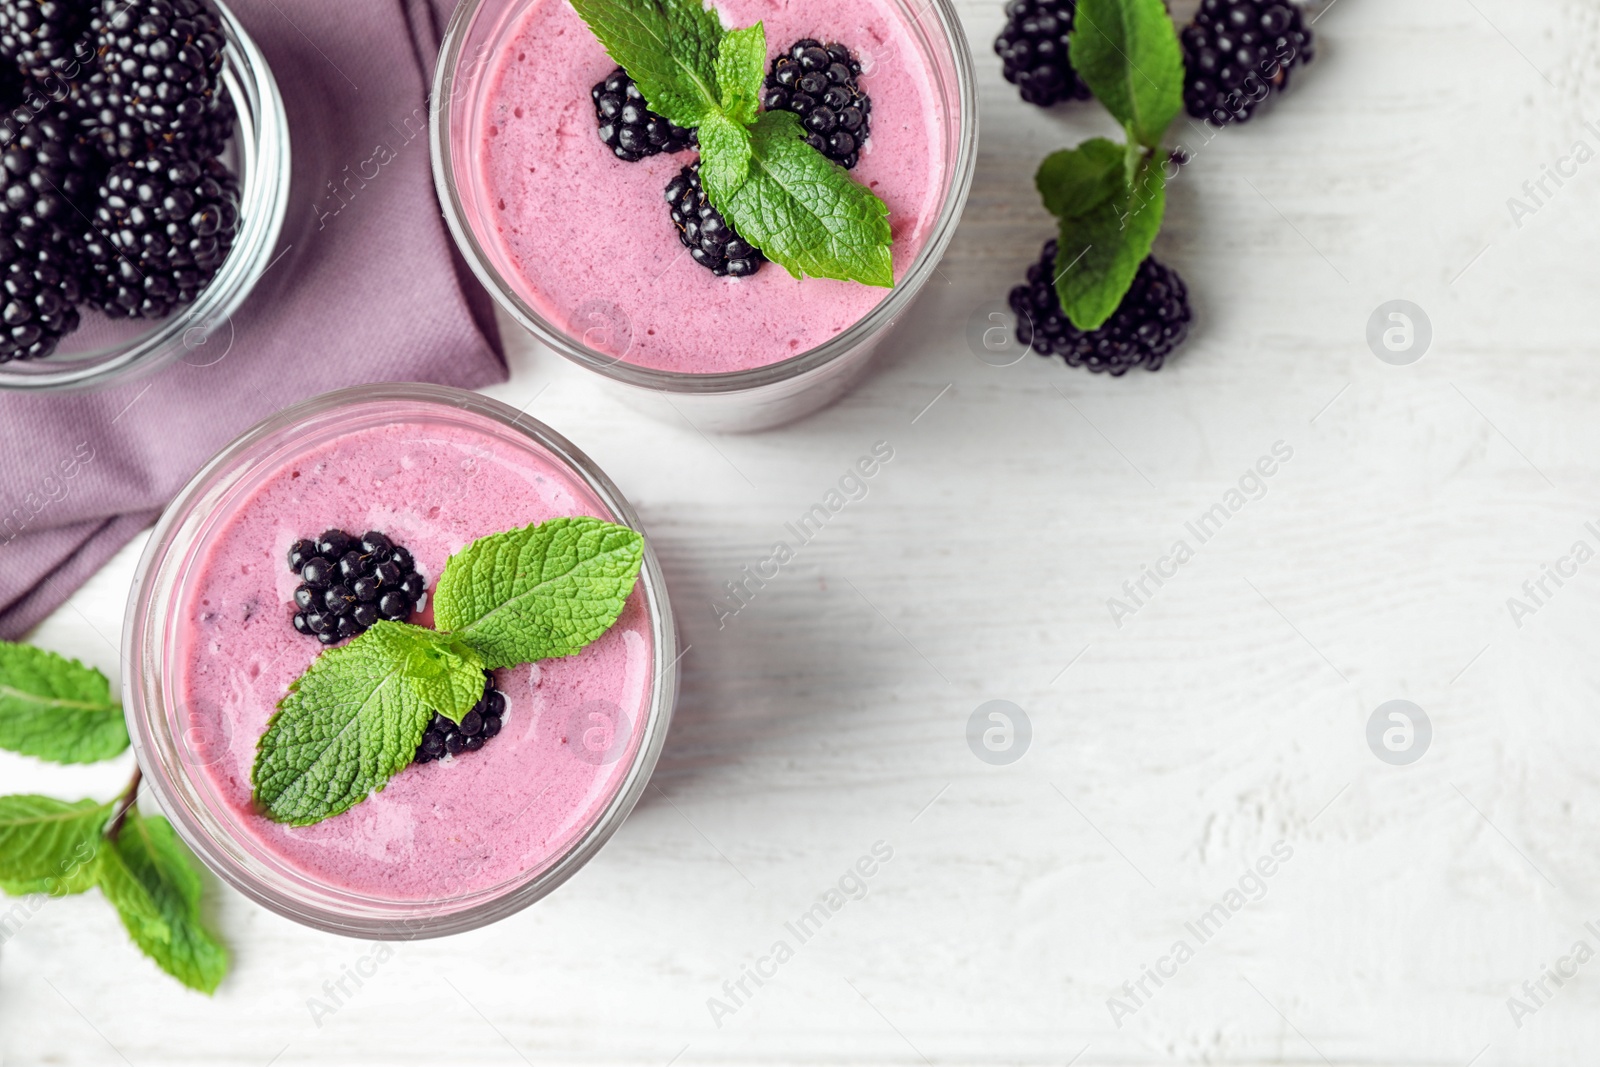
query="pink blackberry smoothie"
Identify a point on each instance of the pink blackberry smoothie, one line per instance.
(586, 240)
(438, 830)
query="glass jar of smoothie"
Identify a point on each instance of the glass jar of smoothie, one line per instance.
(103, 351)
(448, 844)
(578, 246)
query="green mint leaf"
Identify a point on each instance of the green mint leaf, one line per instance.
(56, 708)
(540, 592)
(347, 726)
(805, 212)
(446, 674)
(668, 47)
(49, 845)
(149, 856)
(724, 157)
(1109, 222)
(1127, 52)
(131, 897)
(741, 71)
(1079, 180)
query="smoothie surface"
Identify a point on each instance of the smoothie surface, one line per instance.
(440, 830)
(586, 239)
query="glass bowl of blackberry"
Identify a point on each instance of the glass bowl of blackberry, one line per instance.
(144, 177)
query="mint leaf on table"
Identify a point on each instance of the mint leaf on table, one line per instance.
(741, 72)
(1127, 53)
(668, 47)
(804, 211)
(149, 856)
(1109, 220)
(48, 845)
(347, 726)
(445, 673)
(541, 592)
(130, 896)
(56, 708)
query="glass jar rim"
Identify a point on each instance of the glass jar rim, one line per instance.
(962, 165)
(264, 174)
(147, 702)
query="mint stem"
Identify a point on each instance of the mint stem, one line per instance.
(125, 803)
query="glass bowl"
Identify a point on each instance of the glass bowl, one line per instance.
(752, 399)
(104, 351)
(192, 762)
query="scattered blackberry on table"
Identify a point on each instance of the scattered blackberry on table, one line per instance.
(1237, 53)
(1152, 320)
(711, 242)
(164, 57)
(164, 225)
(349, 583)
(38, 296)
(446, 738)
(628, 127)
(45, 37)
(1033, 51)
(820, 83)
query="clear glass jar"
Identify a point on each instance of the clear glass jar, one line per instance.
(175, 748)
(103, 352)
(753, 399)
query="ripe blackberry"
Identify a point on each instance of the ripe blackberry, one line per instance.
(38, 296)
(711, 242)
(106, 120)
(446, 738)
(45, 37)
(163, 227)
(1238, 52)
(820, 83)
(1152, 320)
(49, 171)
(1033, 51)
(628, 127)
(348, 583)
(165, 58)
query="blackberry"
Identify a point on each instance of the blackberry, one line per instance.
(164, 225)
(1237, 53)
(348, 583)
(38, 296)
(105, 120)
(711, 242)
(1152, 320)
(45, 37)
(1033, 51)
(49, 172)
(628, 127)
(820, 83)
(164, 57)
(446, 738)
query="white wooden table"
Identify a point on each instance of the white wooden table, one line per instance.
(1168, 755)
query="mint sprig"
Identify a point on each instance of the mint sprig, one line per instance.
(1110, 199)
(802, 210)
(541, 592)
(56, 708)
(354, 719)
(669, 49)
(1127, 53)
(351, 722)
(57, 848)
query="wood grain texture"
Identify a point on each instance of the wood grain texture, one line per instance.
(1227, 715)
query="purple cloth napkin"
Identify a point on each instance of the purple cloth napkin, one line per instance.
(368, 288)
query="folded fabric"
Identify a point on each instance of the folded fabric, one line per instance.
(368, 288)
